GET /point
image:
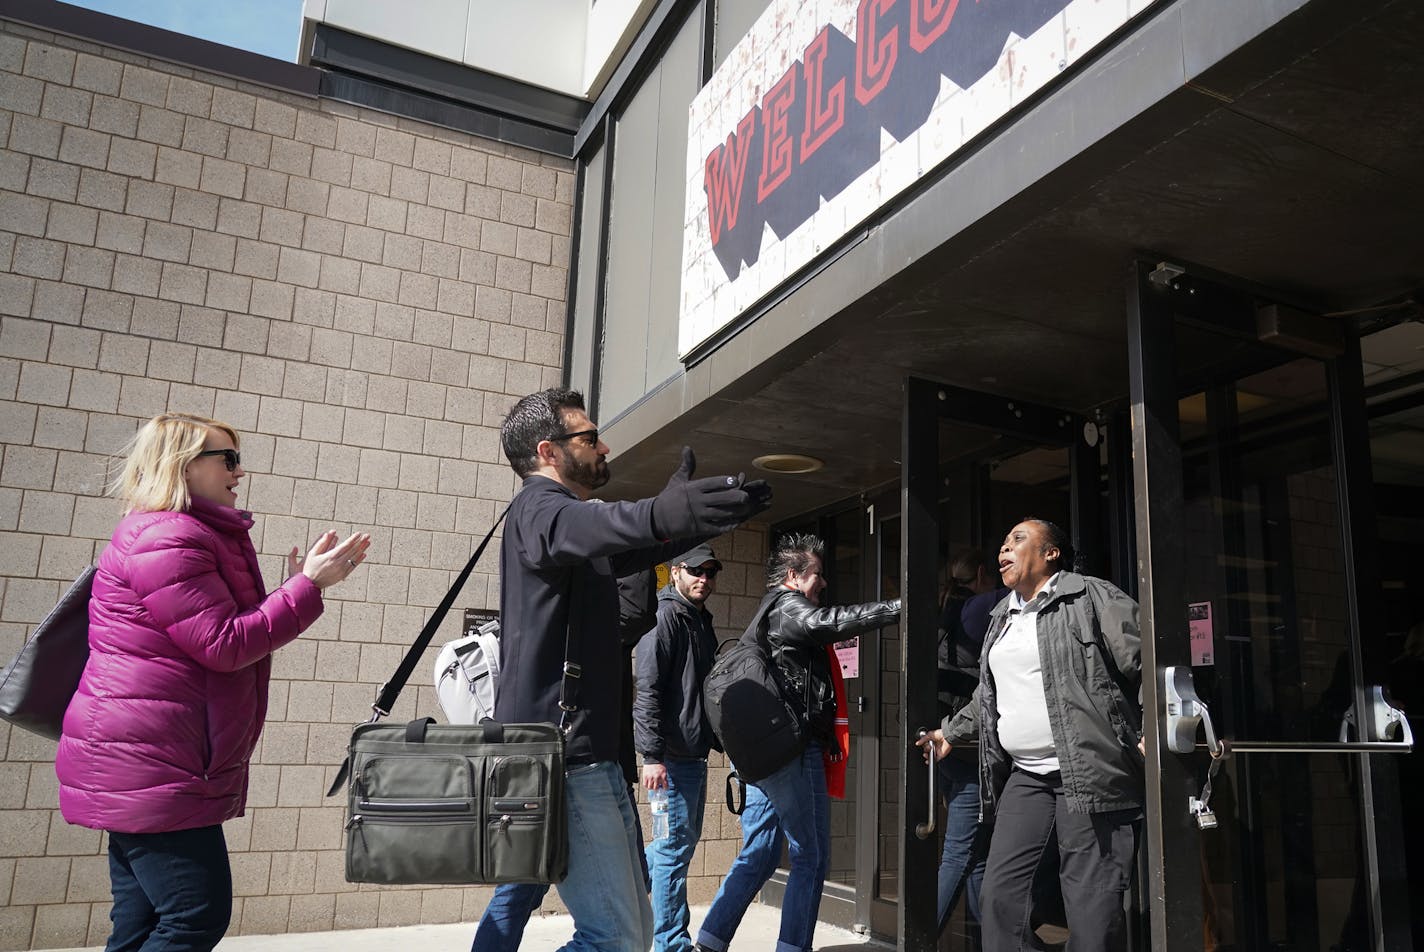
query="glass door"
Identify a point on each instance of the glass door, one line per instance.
(1272, 654)
(844, 566)
(1268, 836)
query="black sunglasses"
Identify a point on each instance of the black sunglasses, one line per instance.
(591, 434)
(232, 459)
(701, 571)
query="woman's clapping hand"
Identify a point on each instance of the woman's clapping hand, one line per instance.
(329, 561)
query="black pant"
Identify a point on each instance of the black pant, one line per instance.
(1096, 860)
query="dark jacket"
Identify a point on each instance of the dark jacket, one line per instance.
(963, 623)
(558, 563)
(799, 633)
(1090, 649)
(957, 659)
(673, 659)
(637, 613)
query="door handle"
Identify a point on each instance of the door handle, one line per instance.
(923, 830)
(1383, 717)
(1185, 711)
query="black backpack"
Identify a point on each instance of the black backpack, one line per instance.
(760, 731)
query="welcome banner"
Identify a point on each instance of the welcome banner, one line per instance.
(826, 110)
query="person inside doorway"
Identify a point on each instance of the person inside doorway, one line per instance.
(1059, 726)
(794, 801)
(971, 594)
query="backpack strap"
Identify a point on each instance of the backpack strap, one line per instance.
(756, 629)
(757, 633)
(735, 783)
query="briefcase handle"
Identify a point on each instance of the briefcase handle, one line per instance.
(491, 730)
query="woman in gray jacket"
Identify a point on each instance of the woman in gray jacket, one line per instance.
(1060, 731)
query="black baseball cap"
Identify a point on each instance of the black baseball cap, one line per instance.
(698, 555)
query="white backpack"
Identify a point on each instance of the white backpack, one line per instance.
(466, 671)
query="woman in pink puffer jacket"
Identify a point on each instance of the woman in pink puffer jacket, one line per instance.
(157, 738)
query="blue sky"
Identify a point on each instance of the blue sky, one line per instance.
(270, 27)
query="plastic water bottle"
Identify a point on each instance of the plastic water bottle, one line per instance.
(657, 803)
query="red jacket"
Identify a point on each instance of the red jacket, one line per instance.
(173, 697)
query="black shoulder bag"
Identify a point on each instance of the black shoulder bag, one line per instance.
(36, 687)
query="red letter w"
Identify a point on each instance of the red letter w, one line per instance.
(724, 175)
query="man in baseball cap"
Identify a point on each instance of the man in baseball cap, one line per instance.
(673, 735)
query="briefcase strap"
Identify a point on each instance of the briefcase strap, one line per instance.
(391, 690)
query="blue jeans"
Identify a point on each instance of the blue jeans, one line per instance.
(604, 891)
(172, 891)
(670, 857)
(961, 866)
(798, 799)
(761, 851)
(501, 928)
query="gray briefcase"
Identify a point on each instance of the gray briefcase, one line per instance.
(455, 803)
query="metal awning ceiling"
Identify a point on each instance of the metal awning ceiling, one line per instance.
(1297, 163)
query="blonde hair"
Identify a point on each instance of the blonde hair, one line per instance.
(150, 467)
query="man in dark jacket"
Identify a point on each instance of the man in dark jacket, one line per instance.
(559, 610)
(673, 734)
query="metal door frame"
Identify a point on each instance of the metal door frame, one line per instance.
(926, 403)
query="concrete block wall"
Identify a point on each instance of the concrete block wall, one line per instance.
(362, 297)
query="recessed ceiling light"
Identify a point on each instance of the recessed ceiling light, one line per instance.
(788, 463)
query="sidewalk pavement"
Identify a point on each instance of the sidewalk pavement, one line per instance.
(758, 932)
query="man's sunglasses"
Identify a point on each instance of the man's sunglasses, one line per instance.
(232, 459)
(591, 434)
(701, 571)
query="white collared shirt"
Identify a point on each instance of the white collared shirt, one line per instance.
(1024, 730)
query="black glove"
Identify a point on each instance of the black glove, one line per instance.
(759, 493)
(690, 507)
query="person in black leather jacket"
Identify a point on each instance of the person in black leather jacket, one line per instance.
(793, 801)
